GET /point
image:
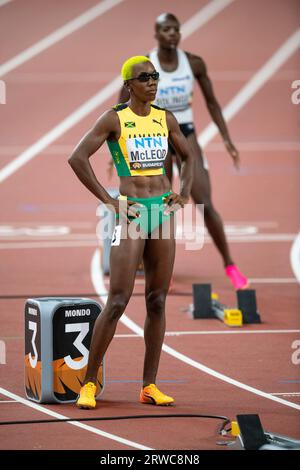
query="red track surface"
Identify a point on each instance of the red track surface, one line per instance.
(46, 89)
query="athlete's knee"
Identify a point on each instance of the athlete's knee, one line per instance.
(209, 209)
(201, 196)
(205, 204)
(155, 301)
(117, 306)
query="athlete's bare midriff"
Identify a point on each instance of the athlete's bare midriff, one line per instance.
(144, 186)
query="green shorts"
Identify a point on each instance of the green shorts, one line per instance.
(151, 214)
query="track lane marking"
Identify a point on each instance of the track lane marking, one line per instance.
(85, 241)
(295, 257)
(57, 35)
(213, 332)
(230, 332)
(291, 394)
(186, 332)
(203, 16)
(288, 48)
(99, 286)
(272, 280)
(4, 2)
(83, 426)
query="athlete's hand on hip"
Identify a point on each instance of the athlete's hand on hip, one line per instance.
(125, 208)
(234, 153)
(173, 202)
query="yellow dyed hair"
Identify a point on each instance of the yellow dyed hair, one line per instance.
(129, 64)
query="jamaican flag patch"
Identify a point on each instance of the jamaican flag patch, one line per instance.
(130, 124)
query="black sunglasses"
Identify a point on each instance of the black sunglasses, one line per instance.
(145, 77)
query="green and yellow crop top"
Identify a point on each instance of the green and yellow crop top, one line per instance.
(143, 145)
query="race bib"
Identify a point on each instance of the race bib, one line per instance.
(147, 152)
(116, 237)
(174, 98)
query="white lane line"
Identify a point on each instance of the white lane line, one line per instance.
(57, 35)
(65, 125)
(259, 237)
(72, 242)
(253, 280)
(187, 333)
(214, 332)
(83, 426)
(54, 244)
(203, 16)
(253, 85)
(11, 235)
(4, 2)
(295, 257)
(98, 283)
(81, 112)
(288, 394)
(50, 223)
(59, 223)
(272, 280)
(230, 332)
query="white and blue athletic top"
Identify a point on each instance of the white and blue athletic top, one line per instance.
(175, 89)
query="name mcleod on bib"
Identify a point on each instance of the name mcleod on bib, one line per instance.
(147, 152)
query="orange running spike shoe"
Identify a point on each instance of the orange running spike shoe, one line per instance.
(86, 398)
(152, 396)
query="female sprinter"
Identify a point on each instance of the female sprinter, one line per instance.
(137, 135)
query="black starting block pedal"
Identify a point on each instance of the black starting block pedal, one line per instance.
(202, 301)
(247, 304)
(207, 305)
(250, 435)
(251, 432)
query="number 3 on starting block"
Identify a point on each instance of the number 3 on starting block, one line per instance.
(58, 333)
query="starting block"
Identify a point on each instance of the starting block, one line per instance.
(58, 332)
(250, 435)
(207, 305)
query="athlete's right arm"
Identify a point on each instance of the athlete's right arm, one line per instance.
(107, 126)
(123, 98)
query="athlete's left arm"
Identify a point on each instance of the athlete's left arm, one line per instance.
(200, 73)
(179, 143)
